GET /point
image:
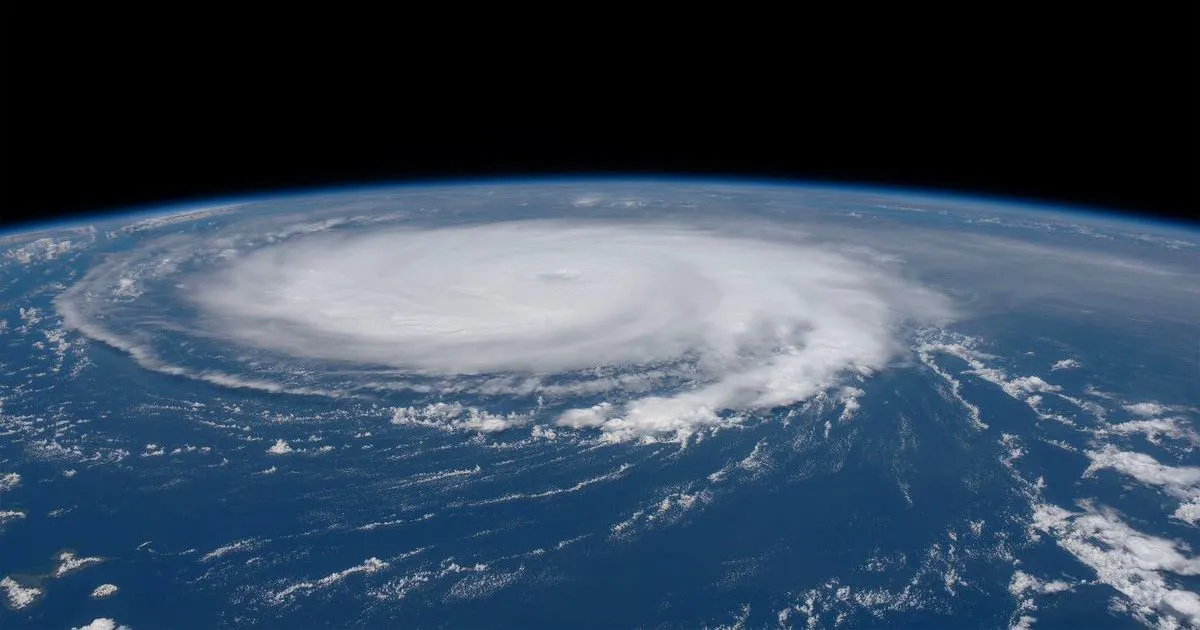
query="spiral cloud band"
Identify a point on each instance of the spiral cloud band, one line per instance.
(736, 323)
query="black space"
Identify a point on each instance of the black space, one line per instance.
(1093, 109)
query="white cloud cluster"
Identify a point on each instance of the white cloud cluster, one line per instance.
(399, 588)
(369, 566)
(1174, 479)
(1022, 583)
(1029, 384)
(1025, 622)
(105, 590)
(482, 584)
(1181, 482)
(456, 417)
(41, 250)
(1155, 429)
(849, 398)
(1188, 511)
(18, 596)
(1133, 563)
(68, 562)
(1022, 586)
(1028, 389)
(1147, 409)
(280, 447)
(1065, 364)
(8, 481)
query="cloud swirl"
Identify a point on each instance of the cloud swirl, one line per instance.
(737, 323)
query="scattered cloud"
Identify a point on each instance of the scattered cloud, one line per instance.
(247, 544)
(1136, 564)
(369, 566)
(1023, 587)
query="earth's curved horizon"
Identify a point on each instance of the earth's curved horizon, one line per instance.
(1061, 209)
(601, 402)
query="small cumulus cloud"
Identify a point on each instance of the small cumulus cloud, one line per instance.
(105, 590)
(280, 447)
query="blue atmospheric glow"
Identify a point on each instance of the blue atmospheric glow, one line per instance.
(1062, 211)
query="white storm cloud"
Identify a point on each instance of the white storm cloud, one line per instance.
(747, 323)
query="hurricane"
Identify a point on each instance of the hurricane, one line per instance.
(717, 321)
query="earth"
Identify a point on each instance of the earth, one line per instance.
(601, 403)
